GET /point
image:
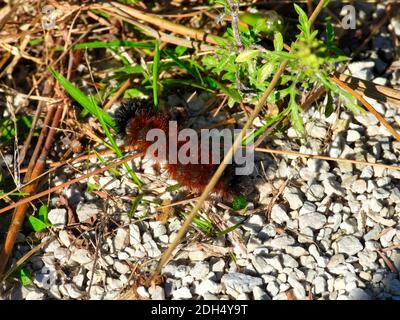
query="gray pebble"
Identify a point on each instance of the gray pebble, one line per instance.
(349, 245)
(240, 282)
(312, 220)
(58, 218)
(278, 214)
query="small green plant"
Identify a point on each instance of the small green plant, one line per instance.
(247, 72)
(239, 203)
(40, 222)
(24, 276)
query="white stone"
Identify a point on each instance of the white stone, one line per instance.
(312, 220)
(158, 293)
(320, 285)
(332, 187)
(109, 183)
(296, 251)
(78, 280)
(352, 136)
(34, 295)
(121, 239)
(367, 259)
(281, 242)
(142, 291)
(315, 192)
(261, 265)
(121, 267)
(81, 256)
(358, 294)
(294, 197)
(349, 226)
(152, 249)
(208, 286)
(349, 245)
(308, 262)
(260, 294)
(64, 238)
(240, 282)
(395, 195)
(375, 205)
(306, 235)
(255, 223)
(367, 173)
(219, 266)
(316, 130)
(307, 207)
(289, 261)
(73, 290)
(134, 234)
(299, 291)
(275, 263)
(337, 146)
(273, 288)
(182, 294)
(58, 218)
(386, 239)
(61, 253)
(158, 228)
(200, 270)
(362, 69)
(278, 214)
(181, 271)
(359, 186)
(381, 193)
(86, 210)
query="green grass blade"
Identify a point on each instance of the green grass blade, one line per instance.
(113, 43)
(156, 66)
(82, 99)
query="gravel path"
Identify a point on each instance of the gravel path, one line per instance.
(333, 234)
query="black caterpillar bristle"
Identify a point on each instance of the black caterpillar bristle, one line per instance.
(129, 109)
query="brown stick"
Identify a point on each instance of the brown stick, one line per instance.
(174, 27)
(367, 106)
(316, 156)
(19, 214)
(372, 90)
(68, 183)
(48, 86)
(115, 97)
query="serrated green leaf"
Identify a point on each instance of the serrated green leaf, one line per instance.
(247, 55)
(264, 72)
(304, 26)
